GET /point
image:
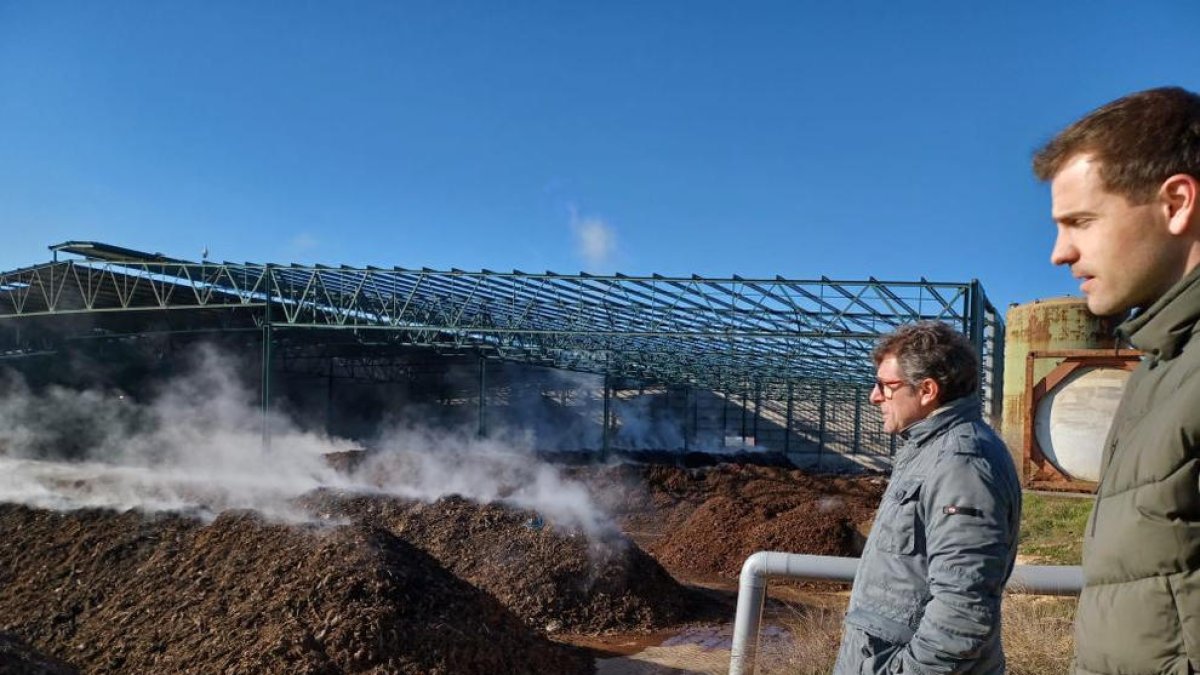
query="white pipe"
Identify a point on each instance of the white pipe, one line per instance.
(752, 590)
(1046, 580)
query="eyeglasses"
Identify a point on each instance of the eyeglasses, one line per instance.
(887, 388)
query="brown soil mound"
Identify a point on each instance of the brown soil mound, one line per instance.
(704, 522)
(555, 579)
(125, 593)
(706, 544)
(723, 532)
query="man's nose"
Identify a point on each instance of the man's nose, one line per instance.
(876, 396)
(1064, 251)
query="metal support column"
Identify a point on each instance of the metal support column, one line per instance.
(994, 336)
(329, 398)
(787, 432)
(745, 404)
(724, 417)
(607, 415)
(757, 411)
(482, 430)
(687, 432)
(857, 419)
(821, 429)
(975, 328)
(266, 367)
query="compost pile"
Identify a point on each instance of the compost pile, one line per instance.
(702, 523)
(18, 658)
(386, 584)
(108, 592)
(557, 579)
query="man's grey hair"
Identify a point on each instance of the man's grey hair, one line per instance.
(932, 349)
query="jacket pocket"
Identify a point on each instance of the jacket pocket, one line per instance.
(897, 519)
(878, 655)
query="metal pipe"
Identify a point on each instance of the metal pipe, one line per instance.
(1046, 580)
(752, 590)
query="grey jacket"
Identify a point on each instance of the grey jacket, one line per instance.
(928, 590)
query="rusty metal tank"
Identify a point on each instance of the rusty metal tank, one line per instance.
(1069, 417)
(1071, 420)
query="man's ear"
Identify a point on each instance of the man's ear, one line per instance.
(929, 391)
(1179, 194)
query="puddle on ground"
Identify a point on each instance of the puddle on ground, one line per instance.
(721, 637)
(616, 645)
(700, 650)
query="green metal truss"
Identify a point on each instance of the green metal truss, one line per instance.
(720, 333)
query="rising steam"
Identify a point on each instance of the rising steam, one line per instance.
(196, 445)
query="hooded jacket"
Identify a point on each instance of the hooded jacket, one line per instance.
(1139, 612)
(927, 594)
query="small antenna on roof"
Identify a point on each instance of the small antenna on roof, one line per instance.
(204, 253)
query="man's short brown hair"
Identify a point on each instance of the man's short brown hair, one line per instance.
(931, 349)
(1139, 140)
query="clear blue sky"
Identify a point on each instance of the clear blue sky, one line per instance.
(848, 139)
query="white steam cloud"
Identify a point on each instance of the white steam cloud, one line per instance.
(421, 464)
(303, 244)
(595, 240)
(196, 445)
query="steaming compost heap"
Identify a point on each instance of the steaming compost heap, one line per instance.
(398, 585)
(554, 579)
(126, 593)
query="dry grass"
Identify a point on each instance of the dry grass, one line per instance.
(816, 633)
(1037, 638)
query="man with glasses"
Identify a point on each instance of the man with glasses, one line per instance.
(926, 598)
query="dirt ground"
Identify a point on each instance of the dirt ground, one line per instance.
(397, 586)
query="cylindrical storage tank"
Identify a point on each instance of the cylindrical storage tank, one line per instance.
(1073, 418)
(1054, 324)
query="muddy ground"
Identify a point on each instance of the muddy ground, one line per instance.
(397, 586)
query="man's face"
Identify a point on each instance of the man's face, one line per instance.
(1122, 253)
(900, 402)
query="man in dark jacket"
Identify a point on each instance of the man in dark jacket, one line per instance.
(1125, 181)
(926, 598)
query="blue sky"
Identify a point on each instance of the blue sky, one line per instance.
(847, 139)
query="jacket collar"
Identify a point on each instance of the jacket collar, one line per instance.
(965, 409)
(1165, 327)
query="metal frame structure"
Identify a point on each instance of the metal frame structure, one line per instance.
(725, 334)
(1037, 470)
